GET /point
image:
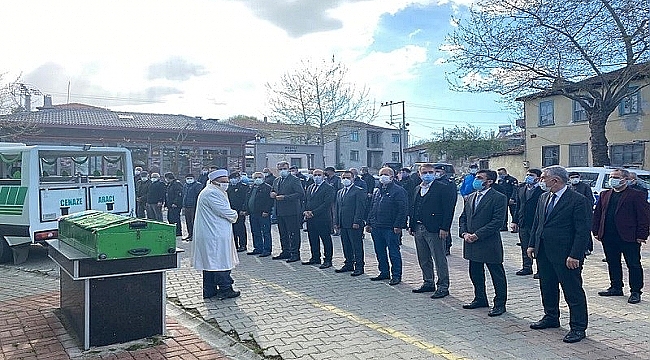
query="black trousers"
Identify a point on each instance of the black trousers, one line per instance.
(317, 231)
(174, 217)
(551, 276)
(289, 228)
(524, 237)
(239, 232)
(189, 220)
(216, 280)
(498, 275)
(632, 253)
(352, 244)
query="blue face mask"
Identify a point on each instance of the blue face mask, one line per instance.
(478, 184)
(427, 178)
(318, 179)
(530, 180)
(258, 181)
(284, 173)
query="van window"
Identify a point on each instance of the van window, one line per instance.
(80, 167)
(589, 178)
(10, 168)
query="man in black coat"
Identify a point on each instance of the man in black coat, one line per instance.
(288, 194)
(155, 198)
(527, 196)
(319, 199)
(237, 192)
(258, 207)
(350, 213)
(333, 179)
(432, 210)
(480, 223)
(370, 186)
(191, 190)
(174, 201)
(509, 184)
(585, 190)
(559, 236)
(141, 190)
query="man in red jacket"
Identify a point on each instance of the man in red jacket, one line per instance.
(621, 222)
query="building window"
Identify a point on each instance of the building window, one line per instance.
(550, 155)
(579, 113)
(578, 154)
(354, 136)
(354, 155)
(630, 104)
(546, 113)
(395, 156)
(297, 162)
(627, 154)
(395, 138)
(374, 139)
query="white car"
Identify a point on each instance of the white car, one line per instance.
(598, 177)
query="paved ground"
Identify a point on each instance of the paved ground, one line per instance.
(298, 311)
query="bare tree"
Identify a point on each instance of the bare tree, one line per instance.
(318, 94)
(586, 50)
(13, 130)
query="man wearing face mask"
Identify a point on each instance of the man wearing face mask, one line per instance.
(237, 192)
(480, 224)
(137, 181)
(213, 249)
(432, 210)
(319, 199)
(203, 178)
(191, 190)
(350, 211)
(269, 178)
(155, 198)
(386, 220)
(508, 187)
(585, 190)
(335, 181)
(527, 195)
(633, 183)
(558, 239)
(258, 207)
(141, 194)
(466, 187)
(174, 201)
(621, 223)
(288, 194)
(440, 176)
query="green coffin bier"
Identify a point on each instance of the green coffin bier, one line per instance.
(106, 236)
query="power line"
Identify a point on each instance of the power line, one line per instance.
(433, 107)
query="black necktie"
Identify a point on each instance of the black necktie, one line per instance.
(551, 204)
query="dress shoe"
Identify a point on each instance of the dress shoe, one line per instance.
(189, 238)
(497, 310)
(253, 252)
(518, 244)
(439, 294)
(475, 304)
(241, 249)
(524, 272)
(536, 276)
(293, 259)
(424, 289)
(228, 294)
(344, 269)
(634, 298)
(311, 262)
(394, 281)
(574, 336)
(265, 254)
(281, 256)
(325, 265)
(544, 324)
(379, 277)
(357, 273)
(604, 260)
(611, 292)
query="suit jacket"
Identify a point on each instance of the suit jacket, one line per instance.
(262, 201)
(632, 215)
(351, 208)
(437, 208)
(485, 221)
(293, 193)
(320, 202)
(237, 195)
(564, 232)
(526, 207)
(585, 190)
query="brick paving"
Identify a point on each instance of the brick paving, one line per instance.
(299, 311)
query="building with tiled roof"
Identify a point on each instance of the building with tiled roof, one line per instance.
(159, 142)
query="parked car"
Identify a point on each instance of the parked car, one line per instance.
(598, 177)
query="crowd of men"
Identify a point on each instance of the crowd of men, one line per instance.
(552, 211)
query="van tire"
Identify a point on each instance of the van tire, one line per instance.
(6, 254)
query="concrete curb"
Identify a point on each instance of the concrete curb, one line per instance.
(214, 337)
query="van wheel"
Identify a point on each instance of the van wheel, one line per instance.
(5, 251)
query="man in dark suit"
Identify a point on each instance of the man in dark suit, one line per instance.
(237, 192)
(258, 207)
(350, 212)
(509, 185)
(288, 194)
(621, 222)
(432, 210)
(320, 197)
(585, 190)
(480, 222)
(527, 196)
(558, 239)
(633, 183)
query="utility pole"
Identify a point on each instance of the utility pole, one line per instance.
(401, 127)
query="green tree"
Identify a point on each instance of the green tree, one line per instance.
(462, 143)
(586, 50)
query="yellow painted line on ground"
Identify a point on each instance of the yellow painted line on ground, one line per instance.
(411, 340)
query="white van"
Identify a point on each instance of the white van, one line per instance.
(598, 177)
(39, 183)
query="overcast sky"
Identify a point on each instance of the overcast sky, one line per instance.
(212, 58)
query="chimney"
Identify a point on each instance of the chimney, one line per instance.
(47, 103)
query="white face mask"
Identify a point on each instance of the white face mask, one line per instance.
(346, 182)
(543, 186)
(189, 181)
(574, 180)
(154, 179)
(384, 179)
(137, 172)
(223, 186)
